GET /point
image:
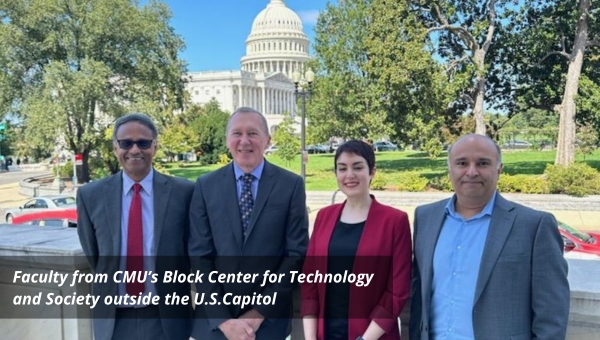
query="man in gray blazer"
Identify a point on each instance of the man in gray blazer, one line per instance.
(137, 221)
(249, 216)
(485, 267)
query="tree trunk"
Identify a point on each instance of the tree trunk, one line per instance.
(478, 109)
(83, 173)
(565, 153)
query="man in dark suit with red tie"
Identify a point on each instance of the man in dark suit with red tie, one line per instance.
(137, 221)
(249, 216)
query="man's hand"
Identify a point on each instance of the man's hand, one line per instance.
(253, 318)
(235, 329)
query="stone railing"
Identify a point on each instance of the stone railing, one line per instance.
(54, 250)
(33, 187)
(31, 249)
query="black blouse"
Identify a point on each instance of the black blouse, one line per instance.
(342, 251)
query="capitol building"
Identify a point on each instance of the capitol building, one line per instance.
(276, 47)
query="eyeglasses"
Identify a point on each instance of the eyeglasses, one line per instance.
(127, 144)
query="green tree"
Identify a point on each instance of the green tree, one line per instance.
(376, 76)
(551, 48)
(178, 139)
(210, 125)
(288, 143)
(69, 67)
(413, 92)
(587, 140)
(341, 104)
(106, 158)
(8, 139)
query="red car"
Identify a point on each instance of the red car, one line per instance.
(579, 245)
(50, 218)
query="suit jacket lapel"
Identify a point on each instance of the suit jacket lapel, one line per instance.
(265, 185)
(113, 194)
(233, 209)
(162, 194)
(430, 228)
(503, 217)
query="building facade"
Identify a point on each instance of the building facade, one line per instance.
(276, 47)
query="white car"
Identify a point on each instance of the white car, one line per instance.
(54, 202)
(271, 149)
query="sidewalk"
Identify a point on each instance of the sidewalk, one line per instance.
(581, 213)
(10, 197)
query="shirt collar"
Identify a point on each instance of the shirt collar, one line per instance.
(146, 182)
(257, 172)
(486, 211)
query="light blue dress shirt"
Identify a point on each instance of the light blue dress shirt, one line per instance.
(455, 270)
(147, 226)
(257, 172)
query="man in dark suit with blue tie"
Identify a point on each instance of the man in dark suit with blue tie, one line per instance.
(249, 216)
(137, 221)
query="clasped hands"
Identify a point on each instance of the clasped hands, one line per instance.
(243, 328)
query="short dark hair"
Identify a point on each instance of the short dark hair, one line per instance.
(358, 148)
(138, 118)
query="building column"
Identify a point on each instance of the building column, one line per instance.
(267, 98)
(281, 102)
(271, 101)
(264, 104)
(278, 107)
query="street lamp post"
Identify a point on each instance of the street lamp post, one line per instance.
(302, 93)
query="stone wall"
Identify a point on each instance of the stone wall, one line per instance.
(43, 250)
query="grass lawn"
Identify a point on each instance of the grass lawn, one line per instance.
(320, 175)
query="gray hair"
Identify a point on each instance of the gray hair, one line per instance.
(245, 109)
(138, 118)
(498, 151)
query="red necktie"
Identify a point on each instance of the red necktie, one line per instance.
(135, 241)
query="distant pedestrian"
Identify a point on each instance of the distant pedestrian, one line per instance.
(18, 161)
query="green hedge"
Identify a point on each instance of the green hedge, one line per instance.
(523, 184)
(411, 181)
(578, 179)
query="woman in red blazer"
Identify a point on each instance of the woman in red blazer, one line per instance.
(350, 243)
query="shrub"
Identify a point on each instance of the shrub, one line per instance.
(223, 159)
(523, 183)
(535, 185)
(66, 171)
(441, 183)
(508, 183)
(433, 147)
(378, 183)
(411, 181)
(578, 179)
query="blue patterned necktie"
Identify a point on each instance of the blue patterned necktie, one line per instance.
(246, 201)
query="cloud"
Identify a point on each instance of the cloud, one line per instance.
(309, 17)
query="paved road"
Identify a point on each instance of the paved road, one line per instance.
(16, 176)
